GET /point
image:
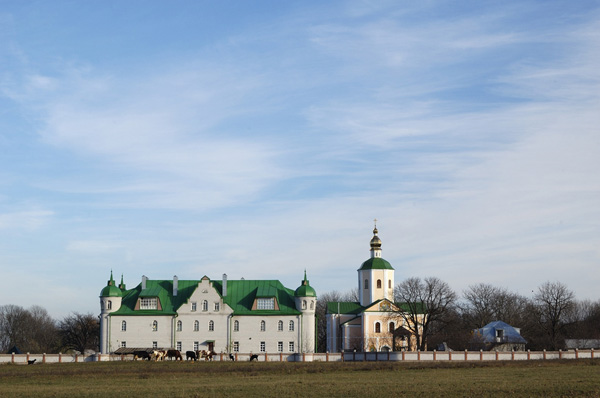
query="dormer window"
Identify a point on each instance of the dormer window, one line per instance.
(265, 303)
(149, 303)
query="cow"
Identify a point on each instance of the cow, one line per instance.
(191, 355)
(231, 357)
(141, 355)
(174, 354)
(253, 357)
(158, 355)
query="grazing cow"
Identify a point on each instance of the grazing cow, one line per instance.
(174, 354)
(231, 357)
(158, 355)
(191, 355)
(253, 357)
(141, 355)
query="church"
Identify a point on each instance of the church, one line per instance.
(229, 316)
(374, 322)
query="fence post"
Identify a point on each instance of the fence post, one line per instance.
(13, 358)
(303, 357)
(434, 355)
(528, 354)
(481, 355)
(342, 356)
(44, 358)
(388, 356)
(544, 353)
(466, 355)
(449, 355)
(512, 355)
(354, 356)
(559, 353)
(326, 356)
(403, 355)
(27, 357)
(60, 357)
(592, 352)
(418, 355)
(496, 355)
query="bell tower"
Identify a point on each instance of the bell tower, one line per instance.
(376, 275)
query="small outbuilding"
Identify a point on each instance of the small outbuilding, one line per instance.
(498, 336)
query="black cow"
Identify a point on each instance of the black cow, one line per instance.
(253, 357)
(141, 355)
(191, 355)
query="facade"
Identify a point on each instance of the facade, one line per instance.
(249, 316)
(373, 323)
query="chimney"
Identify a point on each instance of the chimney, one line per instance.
(144, 279)
(175, 285)
(224, 285)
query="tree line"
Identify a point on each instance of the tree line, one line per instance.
(33, 330)
(546, 319)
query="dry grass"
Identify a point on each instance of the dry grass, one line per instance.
(374, 379)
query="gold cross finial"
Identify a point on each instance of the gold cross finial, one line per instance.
(375, 220)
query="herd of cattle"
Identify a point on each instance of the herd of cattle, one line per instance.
(161, 355)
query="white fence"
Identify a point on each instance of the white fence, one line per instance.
(409, 356)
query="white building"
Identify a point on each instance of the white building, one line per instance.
(218, 315)
(373, 323)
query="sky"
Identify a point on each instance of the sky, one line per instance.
(262, 138)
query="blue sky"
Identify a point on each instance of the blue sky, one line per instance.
(261, 139)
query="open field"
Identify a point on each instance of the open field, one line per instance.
(128, 379)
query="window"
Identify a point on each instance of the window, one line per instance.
(196, 326)
(179, 326)
(291, 326)
(303, 304)
(109, 305)
(155, 344)
(154, 326)
(216, 307)
(211, 326)
(263, 346)
(205, 305)
(378, 283)
(265, 303)
(263, 326)
(366, 284)
(148, 303)
(312, 305)
(194, 306)
(291, 346)
(280, 346)
(377, 327)
(179, 346)
(391, 327)
(280, 326)
(390, 284)
(196, 345)
(124, 326)
(123, 344)
(236, 346)
(236, 326)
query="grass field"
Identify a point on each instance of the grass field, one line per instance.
(374, 379)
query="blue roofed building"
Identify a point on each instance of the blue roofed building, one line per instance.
(498, 336)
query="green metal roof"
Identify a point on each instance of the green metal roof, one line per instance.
(110, 290)
(376, 263)
(241, 295)
(344, 307)
(305, 290)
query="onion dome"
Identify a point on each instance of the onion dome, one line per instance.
(305, 290)
(111, 290)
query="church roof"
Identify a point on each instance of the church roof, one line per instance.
(510, 335)
(305, 290)
(241, 295)
(351, 307)
(375, 263)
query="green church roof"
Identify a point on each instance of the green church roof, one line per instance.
(110, 290)
(305, 290)
(376, 263)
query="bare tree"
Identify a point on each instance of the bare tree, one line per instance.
(553, 302)
(484, 303)
(80, 332)
(31, 330)
(424, 305)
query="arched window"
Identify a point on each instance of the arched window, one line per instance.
(377, 327)
(109, 305)
(366, 284)
(179, 326)
(312, 305)
(236, 326)
(155, 326)
(280, 326)
(205, 305)
(378, 283)
(196, 326)
(124, 326)
(303, 304)
(291, 326)
(211, 326)
(391, 327)
(263, 326)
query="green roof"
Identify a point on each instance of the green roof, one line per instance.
(341, 307)
(110, 290)
(376, 263)
(305, 290)
(241, 295)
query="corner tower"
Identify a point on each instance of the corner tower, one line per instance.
(306, 302)
(110, 301)
(375, 276)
